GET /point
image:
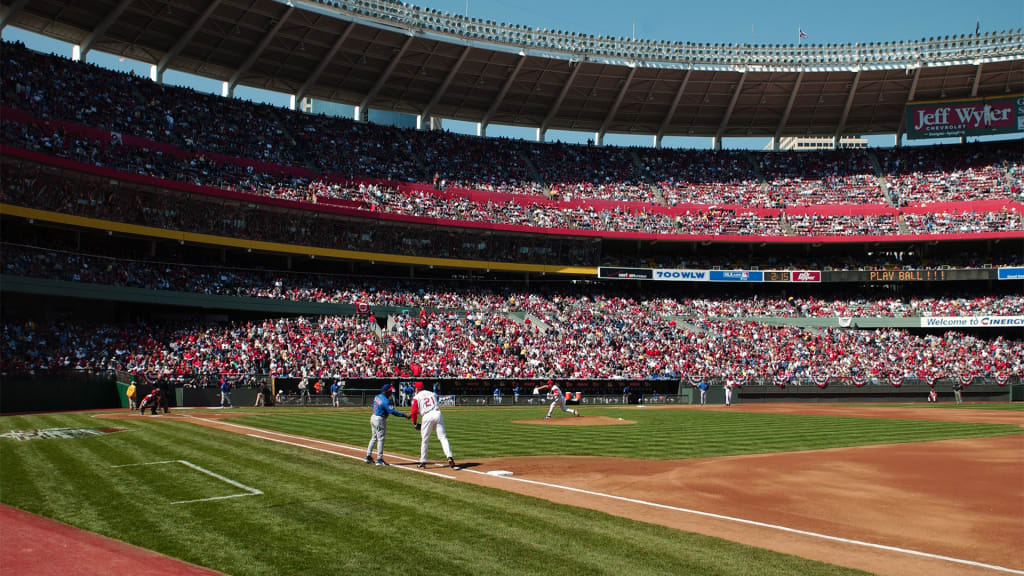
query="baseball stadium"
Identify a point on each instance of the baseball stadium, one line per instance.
(600, 303)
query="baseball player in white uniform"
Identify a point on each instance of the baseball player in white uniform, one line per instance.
(555, 393)
(728, 391)
(425, 404)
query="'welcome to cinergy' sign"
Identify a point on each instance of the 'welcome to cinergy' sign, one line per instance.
(967, 117)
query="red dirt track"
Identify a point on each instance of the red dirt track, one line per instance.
(37, 546)
(950, 507)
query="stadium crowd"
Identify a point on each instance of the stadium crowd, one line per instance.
(49, 88)
(599, 339)
(35, 262)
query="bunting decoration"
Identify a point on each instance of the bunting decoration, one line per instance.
(820, 380)
(896, 379)
(781, 380)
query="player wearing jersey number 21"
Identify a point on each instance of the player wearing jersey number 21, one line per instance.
(425, 405)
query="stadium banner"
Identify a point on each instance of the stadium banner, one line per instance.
(973, 322)
(965, 117)
(1011, 274)
(807, 276)
(919, 275)
(682, 275)
(625, 273)
(736, 276)
(777, 276)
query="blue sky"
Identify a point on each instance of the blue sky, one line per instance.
(740, 21)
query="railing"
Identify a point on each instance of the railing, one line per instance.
(973, 49)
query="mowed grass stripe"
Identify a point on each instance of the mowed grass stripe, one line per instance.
(321, 514)
(657, 434)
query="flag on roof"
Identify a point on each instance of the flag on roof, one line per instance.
(801, 32)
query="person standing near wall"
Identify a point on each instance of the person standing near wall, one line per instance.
(130, 393)
(225, 393)
(728, 391)
(958, 390)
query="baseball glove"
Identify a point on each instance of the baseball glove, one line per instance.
(417, 426)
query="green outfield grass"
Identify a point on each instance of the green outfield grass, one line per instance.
(656, 434)
(324, 514)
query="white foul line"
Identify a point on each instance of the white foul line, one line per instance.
(248, 489)
(762, 524)
(651, 504)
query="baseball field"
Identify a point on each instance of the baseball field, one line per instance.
(749, 489)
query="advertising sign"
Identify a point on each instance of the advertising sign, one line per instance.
(807, 276)
(682, 275)
(624, 273)
(1011, 273)
(966, 117)
(736, 276)
(973, 322)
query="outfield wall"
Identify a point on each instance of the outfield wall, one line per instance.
(75, 391)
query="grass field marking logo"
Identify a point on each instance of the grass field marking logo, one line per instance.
(249, 491)
(51, 433)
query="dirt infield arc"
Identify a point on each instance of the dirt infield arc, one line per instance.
(950, 507)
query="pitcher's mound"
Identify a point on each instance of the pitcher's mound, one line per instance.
(574, 421)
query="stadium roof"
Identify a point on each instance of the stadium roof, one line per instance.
(392, 56)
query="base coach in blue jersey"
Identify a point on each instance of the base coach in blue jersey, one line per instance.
(379, 423)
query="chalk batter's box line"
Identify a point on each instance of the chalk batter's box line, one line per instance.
(276, 437)
(249, 491)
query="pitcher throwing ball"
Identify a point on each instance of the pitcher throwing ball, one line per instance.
(425, 404)
(557, 398)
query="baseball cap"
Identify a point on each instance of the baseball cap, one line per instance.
(386, 388)
(417, 385)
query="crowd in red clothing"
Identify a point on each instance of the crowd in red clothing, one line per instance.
(579, 338)
(49, 88)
